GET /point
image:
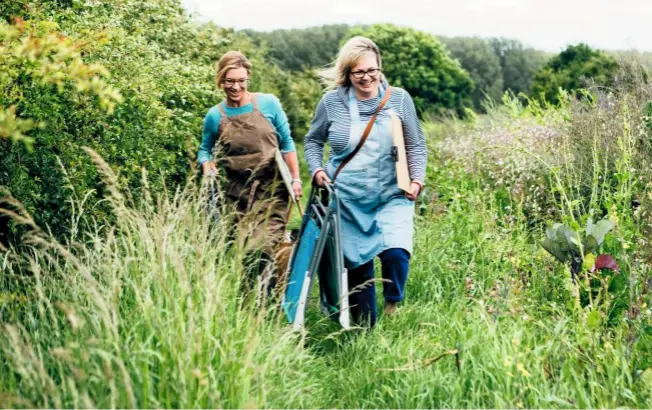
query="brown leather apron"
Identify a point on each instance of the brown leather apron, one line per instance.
(254, 187)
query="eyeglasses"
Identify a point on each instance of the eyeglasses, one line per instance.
(231, 82)
(373, 72)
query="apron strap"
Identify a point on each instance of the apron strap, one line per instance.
(252, 194)
(289, 212)
(365, 134)
(220, 106)
(287, 219)
(254, 101)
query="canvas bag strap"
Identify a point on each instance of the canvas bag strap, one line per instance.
(365, 134)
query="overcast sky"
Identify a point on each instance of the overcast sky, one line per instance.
(545, 24)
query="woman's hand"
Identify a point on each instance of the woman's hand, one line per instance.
(297, 188)
(321, 178)
(208, 168)
(415, 188)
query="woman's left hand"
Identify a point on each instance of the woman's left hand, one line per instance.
(298, 189)
(414, 191)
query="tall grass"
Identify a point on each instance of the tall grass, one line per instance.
(145, 313)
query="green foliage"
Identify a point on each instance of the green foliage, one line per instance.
(566, 244)
(131, 79)
(38, 54)
(300, 94)
(478, 58)
(545, 162)
(302, 49)
(563, 243)
(571, 70)
(648, 118)
(603, 289)
(419, 63)
(518, 63)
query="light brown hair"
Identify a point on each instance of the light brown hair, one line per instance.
(230, 60)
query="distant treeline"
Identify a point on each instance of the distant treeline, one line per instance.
(495, 65)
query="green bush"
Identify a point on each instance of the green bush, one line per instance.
(571, 70)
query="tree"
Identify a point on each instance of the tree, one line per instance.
(419, 63)
(477, 57)
(571, 69)
(301, 49)
(518, 63)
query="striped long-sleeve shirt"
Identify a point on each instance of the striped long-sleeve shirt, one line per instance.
(332, 124)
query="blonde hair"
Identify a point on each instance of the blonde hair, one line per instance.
(229, 61)
(349, 55)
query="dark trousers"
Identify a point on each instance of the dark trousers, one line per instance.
(395, 263)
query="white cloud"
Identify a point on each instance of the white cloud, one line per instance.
(545, 24)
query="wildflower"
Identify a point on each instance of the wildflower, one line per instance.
(613, 216)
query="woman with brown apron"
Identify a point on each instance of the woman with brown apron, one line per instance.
(246, 130)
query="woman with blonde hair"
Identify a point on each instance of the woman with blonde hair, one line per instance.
(354, 117)
(248, 129)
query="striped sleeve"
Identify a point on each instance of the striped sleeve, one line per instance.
(415, 141)
(316, 138)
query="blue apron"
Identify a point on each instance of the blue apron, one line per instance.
(375, 213)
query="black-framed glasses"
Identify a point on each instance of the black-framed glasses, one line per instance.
(359, 74)
(229, 82)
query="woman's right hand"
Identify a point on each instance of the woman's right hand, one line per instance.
(208, 168)
(321, 178)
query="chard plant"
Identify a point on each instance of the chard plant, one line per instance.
(567, 245)
(601, 286)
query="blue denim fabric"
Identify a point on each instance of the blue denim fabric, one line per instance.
(395, 264)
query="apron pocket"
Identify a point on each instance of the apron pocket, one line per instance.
(353, 184)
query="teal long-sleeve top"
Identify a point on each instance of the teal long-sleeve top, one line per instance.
(271, 108)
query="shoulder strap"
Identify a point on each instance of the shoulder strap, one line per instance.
(365, 134)
(221, 108)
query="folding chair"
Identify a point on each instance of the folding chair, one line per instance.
(318, 251)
